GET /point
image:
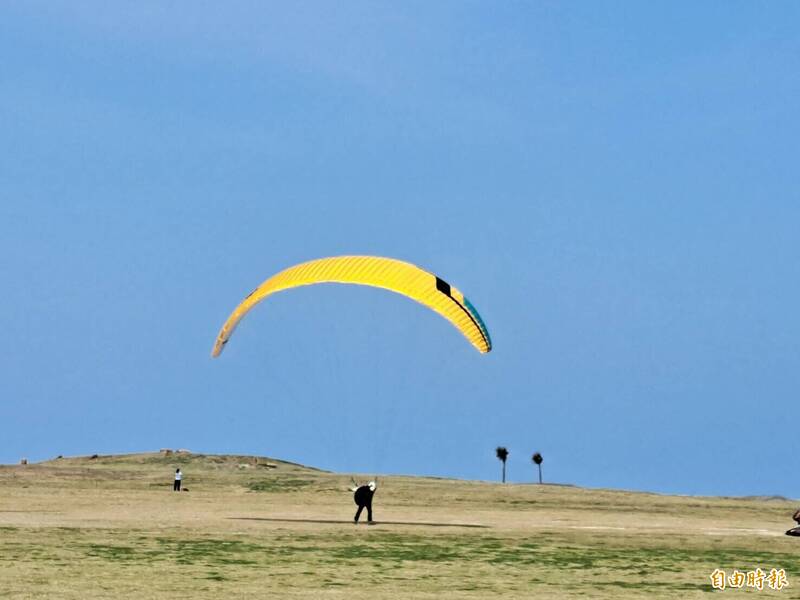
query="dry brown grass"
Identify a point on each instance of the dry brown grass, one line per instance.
(112, 527)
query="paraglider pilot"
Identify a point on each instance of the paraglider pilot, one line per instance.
(362, 496)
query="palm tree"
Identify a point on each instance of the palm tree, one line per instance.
(537, 459)
(502, 454)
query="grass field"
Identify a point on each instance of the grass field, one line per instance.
(110, 527)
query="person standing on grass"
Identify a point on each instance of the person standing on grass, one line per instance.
(363, 498)
(176, 487)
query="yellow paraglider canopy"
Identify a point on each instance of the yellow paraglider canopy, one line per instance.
(387, 273)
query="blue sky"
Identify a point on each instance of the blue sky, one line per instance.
(613, 185)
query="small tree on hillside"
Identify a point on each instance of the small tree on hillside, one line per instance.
(537, 460)
(502, 455)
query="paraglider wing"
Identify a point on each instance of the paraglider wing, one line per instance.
(387, 273)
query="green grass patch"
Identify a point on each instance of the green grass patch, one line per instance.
(111, 553)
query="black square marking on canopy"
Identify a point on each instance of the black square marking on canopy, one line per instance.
(443, 286)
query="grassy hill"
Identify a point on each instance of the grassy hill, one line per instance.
(256, 527)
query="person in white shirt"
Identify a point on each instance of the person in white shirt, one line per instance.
(177, 485)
